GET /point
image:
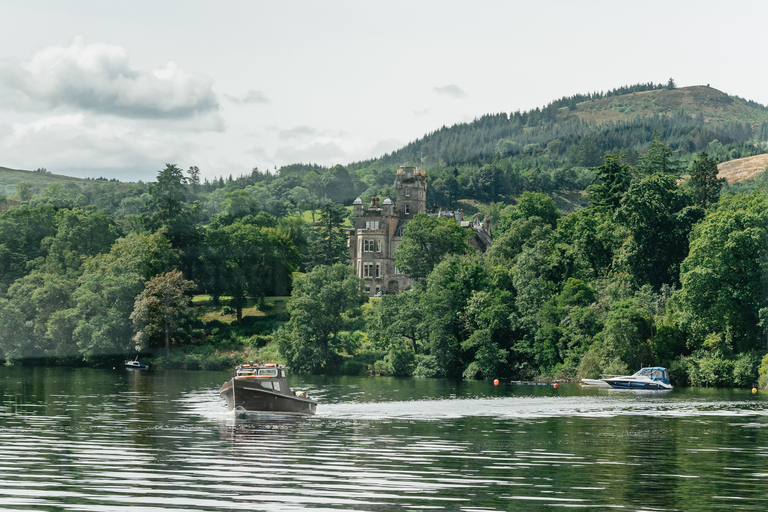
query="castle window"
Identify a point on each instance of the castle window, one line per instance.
(407, 209)
(407, 192)
(367, 269)
(378, 245)
(367, 288)
(378, 270)
(367, 245)
(371, 224)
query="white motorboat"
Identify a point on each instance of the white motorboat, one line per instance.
(653, 378)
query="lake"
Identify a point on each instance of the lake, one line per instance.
(117, 440)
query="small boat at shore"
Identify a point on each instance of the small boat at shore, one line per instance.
(651, 378)
(136, 365)
(264, 388)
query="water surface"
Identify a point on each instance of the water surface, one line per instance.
(95, 440)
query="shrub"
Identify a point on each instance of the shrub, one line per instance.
(763, 372)
(678, 372)
(746, 369)
(426, 366)
(711, 370)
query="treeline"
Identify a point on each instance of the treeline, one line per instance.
(91, 272)
(652, 272)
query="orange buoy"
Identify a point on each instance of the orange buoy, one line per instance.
(495, 382)
(556, 385)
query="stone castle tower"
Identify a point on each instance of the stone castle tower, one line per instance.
(378, 230)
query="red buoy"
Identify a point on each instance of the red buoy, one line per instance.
(495, 382)
(556, 385)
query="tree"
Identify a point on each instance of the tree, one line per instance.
(704, 181)
(170, 208)
(658, 215)
(329, 245)
(169, 195)
(671, 84)
(24, 190)
(160, 308)
(725, 276)
(106, 292)
(529, 205)
(660, 159)
(324, 302)
(426, 241)
(337, 185)
(610, 184)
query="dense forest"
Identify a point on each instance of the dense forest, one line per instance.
(615, 246)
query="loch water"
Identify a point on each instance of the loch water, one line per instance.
(117, 440)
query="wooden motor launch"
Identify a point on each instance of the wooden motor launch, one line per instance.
(264, 388)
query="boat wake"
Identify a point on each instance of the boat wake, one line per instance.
(530, 407)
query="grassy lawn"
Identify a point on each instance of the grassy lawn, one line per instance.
(203, 305)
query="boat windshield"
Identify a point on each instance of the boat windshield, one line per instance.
(268, 372)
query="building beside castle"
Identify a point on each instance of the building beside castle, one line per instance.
(378, 231)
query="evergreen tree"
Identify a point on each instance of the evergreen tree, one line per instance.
(704, 181)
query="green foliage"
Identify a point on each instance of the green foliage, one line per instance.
(724, 277)
(704, 181)
(610, 184)
(160, 308)
(324, 302)
(329, 244)
(658, 216)
(426, 241)
(763, 373)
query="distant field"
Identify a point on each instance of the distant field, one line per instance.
(742, 168)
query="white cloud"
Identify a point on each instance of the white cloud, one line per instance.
(76, 141)
(98, 78)
(451, 90)
(251, 97)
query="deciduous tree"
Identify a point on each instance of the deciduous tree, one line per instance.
(160, 308)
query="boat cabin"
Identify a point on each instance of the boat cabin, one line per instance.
(261, 370)
(656, 373)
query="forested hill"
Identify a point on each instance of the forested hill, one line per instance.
(687, 119)
(498, 156)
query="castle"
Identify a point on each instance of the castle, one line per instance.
(378, 231)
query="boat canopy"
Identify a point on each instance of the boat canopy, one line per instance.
(656, 373)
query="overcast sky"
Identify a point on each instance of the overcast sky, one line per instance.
(118, 89)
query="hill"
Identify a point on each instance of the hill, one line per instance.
(711, 105)
(10, 177)
(552, 149)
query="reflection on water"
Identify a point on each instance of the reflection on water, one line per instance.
(152, 441)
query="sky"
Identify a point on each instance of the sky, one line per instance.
(119, 89)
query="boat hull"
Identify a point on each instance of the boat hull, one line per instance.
(247, 395)
(624, 384)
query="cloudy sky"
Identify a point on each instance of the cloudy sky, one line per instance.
(118, 89)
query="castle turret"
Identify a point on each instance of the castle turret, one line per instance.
(411, 185)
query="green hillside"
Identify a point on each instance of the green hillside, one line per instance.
(39, 180)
